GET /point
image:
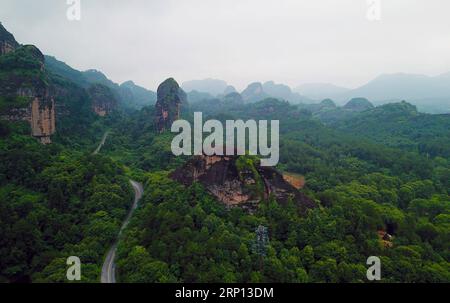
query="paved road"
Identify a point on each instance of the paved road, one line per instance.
(109, 267)
(101, 143)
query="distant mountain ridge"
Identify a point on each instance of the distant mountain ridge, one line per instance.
(402, 125)
(258, 91)
(404, 86)
(201, 90)
(429, 94)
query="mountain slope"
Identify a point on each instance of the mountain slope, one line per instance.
(128, 93)
(401, 125)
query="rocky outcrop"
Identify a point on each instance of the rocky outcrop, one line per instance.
(328, 103)
(38, 108)
(254, 93)
(42, 119)
(102, 98)
(240, 181)
(7, 42)
(24, 88)
(170, 98)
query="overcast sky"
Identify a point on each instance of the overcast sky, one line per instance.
(240, 41)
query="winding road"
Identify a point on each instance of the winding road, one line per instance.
(101, 143)
(109, 267)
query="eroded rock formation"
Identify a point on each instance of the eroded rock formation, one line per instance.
(24, 88)
(168, 105)
(42, 119)
(103, 100)
(240, 181)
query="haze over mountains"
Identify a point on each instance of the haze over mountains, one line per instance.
(320, 90)
(429, 94)
(352, 181)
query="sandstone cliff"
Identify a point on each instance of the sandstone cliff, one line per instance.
(24, 90)
(240, 181)
(170, 99)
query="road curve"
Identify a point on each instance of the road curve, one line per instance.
(101, 143)
(109, 267)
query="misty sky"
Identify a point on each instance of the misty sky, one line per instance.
(240, 41)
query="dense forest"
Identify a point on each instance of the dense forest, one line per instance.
(59, 201)
(380, 177)
(55, 203)
(365, 190)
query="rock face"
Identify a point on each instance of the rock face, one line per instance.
(7, 42)
(42, 119)
(103, 100)
(240, 181)
(24, 88)
(170, 99)
(328, 103)
(40, 114)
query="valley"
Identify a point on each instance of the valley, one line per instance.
(87, 170)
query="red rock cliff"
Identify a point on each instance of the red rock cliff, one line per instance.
(237, 182)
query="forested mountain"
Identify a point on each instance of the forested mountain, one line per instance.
(352, 182)
(374, 200)
(401, 125)
(56, 199)
(429, 94)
